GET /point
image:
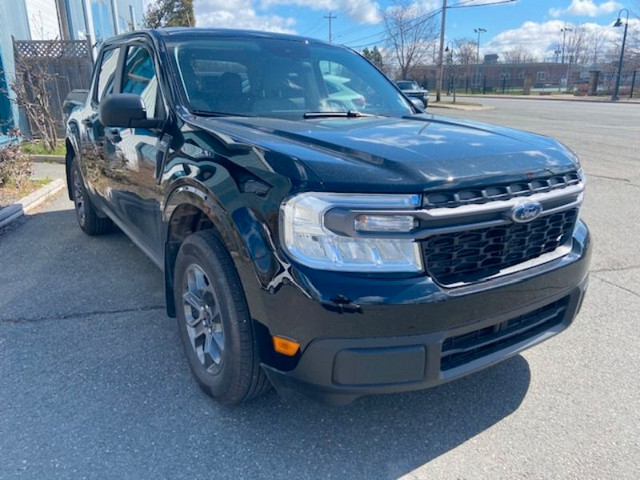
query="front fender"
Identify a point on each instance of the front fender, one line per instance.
(243, 234)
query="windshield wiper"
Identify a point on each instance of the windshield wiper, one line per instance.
(349, 114)
(208, 113)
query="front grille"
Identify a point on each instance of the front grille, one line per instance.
(472, 255)
(504, 191)
(462, 349)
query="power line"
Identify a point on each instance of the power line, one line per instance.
(469, 5)
(380, 36)
(414, 23)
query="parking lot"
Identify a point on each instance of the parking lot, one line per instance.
(93, 383)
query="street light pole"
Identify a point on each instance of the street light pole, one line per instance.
(564, 31)
(440, 57)
(452, 83)
(478, 30)
(624, 40)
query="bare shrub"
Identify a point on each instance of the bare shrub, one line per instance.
(15, 166)
(32, 95)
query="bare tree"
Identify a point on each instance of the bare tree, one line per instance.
(518, 54)
(459, 60)
(409, 32)
(576, 46)
(634, 35)
(466, 52)
(595, 46)
(31, 86)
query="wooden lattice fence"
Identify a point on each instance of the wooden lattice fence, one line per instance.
(69, 64)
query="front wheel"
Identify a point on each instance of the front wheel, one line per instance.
(214, 321)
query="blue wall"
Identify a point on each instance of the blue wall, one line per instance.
(6, 115)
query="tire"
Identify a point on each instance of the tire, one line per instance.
(86, 213)
(214, 321)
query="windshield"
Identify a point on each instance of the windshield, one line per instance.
(407, 85)
(280, 78)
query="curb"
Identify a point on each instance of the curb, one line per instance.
(465, 108)
(551, 98)
(48, 159)
(31, 201)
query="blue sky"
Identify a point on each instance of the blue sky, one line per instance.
(534, 24)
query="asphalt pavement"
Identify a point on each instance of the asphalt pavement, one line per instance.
(93, 382)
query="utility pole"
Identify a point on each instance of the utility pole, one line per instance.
(330, 17)
(440, 57)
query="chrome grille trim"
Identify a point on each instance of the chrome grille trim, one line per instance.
(501, 192)
(573, 194)
(468, 217)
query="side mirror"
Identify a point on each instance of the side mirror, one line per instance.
(125, 110)
(75, 99)
(419, 104)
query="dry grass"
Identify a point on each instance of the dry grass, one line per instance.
(11, 194)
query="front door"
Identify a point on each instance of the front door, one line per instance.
(136, 197)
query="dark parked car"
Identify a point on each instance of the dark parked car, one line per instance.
(412, 90)
(308, 245)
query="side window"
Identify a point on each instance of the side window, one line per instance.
(139, 77)
(108, 65)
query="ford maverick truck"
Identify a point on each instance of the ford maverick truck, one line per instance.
(335, 245)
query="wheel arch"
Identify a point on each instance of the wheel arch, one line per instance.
(72, 146)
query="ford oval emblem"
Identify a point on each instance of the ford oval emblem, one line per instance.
(525, 212)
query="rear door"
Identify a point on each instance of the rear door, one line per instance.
(95, 149)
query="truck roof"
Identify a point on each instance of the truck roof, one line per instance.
(169, 32)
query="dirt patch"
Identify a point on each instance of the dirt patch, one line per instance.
(9, 195)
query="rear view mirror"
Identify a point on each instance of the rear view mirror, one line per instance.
(125, 110)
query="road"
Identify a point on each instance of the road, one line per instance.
(93, 383)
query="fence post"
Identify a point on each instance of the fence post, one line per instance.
(484, 84)
(633, 83)
(89, 41)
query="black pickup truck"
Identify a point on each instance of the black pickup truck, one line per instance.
(335, 248)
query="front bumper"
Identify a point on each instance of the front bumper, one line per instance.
(363, 336)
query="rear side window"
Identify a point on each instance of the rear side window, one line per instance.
(108, 65)
(139, 77)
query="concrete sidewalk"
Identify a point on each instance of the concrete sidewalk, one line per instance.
(40, 171)
(536, 96)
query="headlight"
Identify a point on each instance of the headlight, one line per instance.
(308, 240)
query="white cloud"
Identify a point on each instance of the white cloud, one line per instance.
(541, 39)
(418, 8)
(239, 14)
(586, 8)
(361, 11)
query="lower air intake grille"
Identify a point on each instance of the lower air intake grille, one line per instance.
(468, 347)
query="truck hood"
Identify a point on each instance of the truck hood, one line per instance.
(409, 154)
